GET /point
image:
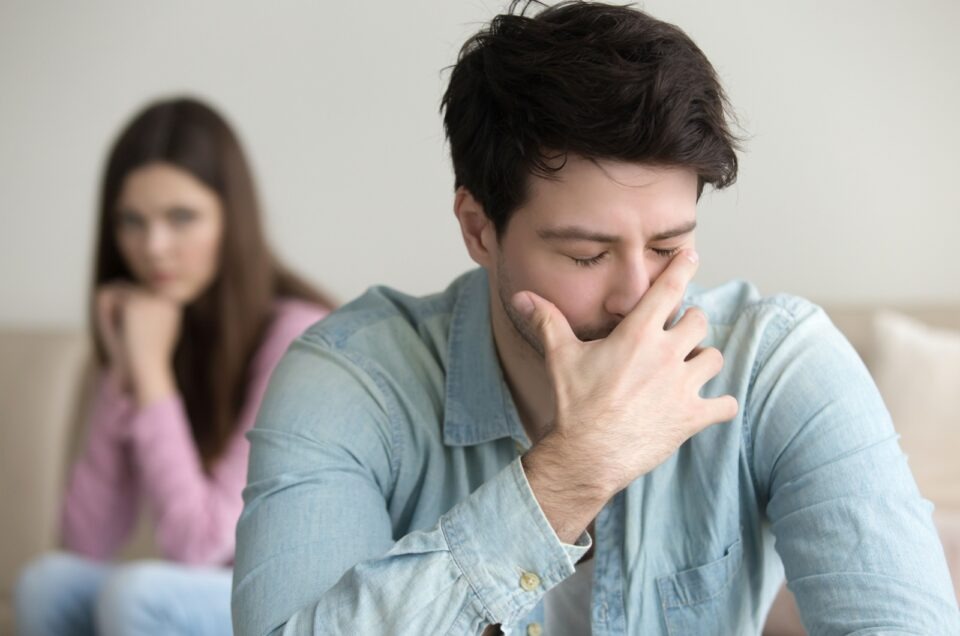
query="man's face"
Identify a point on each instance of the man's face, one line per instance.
(593, 241)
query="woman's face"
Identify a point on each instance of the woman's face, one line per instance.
(169, 227)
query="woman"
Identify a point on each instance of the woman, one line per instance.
(190, 314)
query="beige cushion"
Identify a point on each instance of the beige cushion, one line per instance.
(45, 381)
(857, 321)
(40, 375)
(917, 369)
(948, 524)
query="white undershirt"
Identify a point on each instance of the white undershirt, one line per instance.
(566, 607)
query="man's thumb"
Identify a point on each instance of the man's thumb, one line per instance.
(543, 316)
(523, 302)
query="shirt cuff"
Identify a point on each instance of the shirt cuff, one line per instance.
(159, 420)
(506, 548)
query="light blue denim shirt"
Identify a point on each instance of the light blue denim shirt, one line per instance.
(385, 493)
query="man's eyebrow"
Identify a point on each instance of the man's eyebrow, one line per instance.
(677, 231)
(576, 233)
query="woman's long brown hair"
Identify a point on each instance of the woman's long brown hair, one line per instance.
(221, 330)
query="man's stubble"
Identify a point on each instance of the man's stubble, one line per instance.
(526, 331)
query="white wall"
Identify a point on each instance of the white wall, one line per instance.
(847, 189)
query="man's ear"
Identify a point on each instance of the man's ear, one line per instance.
(479, 234)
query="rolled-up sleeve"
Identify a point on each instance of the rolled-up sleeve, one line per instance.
(857, 540)
(316, 552)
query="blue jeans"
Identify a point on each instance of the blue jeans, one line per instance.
(62, 593)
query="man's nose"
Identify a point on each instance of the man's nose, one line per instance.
(630, 284)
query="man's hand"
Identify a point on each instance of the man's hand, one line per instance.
(624, 404)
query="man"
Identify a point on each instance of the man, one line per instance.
(570, 440)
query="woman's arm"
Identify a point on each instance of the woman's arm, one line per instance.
(195, 512)
(100, 507)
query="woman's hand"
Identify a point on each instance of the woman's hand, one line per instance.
(139, 330)
(151, 326)
(109, 320)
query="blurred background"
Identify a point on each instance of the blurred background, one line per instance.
(847, 192)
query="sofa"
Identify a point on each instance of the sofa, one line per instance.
(913, 354)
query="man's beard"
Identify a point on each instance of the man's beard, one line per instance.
(527, 331)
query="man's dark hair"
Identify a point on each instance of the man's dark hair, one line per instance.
(600, 81)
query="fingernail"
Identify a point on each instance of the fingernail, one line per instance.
(523, 304)
(692, 255)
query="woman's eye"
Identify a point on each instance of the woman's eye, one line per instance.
(666, 253)
(181, 215)
(587, 262)
(129, 220)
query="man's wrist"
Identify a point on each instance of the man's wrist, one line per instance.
(570, 490)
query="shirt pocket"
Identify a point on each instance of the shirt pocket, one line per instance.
(699, 601)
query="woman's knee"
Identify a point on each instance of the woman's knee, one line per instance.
(53, 591)
(128, 601)
(157, 597)
(37, 578)
(46, 578)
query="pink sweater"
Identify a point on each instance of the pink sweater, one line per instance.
(149, 452)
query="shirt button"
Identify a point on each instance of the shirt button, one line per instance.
(529, 581)
(534, 629)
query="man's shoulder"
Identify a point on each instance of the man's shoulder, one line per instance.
(747, 324)
(739, 300)
(384, 322)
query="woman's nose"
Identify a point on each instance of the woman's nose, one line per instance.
(159, 240)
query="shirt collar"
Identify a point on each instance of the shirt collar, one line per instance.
(478, 405)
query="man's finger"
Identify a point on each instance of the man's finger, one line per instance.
(690, 330)
(665, 294)
(720, 409)
(545, 319)
(705, 365)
